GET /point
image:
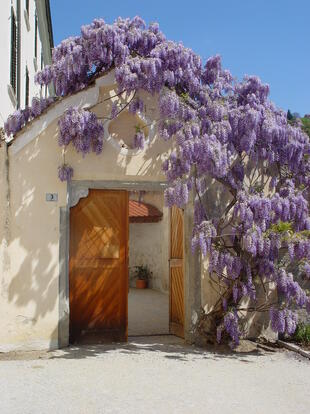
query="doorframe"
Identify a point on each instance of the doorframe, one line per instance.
(192, 268)
(176, 327)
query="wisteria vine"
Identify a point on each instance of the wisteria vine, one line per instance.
(224, 130)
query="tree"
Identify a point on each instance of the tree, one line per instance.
(290, 116)
(224, 130)
(306, 125)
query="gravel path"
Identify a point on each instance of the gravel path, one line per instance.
(153, 375)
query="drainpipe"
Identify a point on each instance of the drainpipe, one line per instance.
(5, 205)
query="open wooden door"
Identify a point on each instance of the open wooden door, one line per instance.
(176, 312)
(98, 274)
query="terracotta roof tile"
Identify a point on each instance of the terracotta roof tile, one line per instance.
(143, 213)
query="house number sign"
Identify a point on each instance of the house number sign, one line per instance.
(51, 196)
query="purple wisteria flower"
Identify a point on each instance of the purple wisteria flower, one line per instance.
(19, 118)
(139, 140)
(231, 326)
(283, 320)
(137, 105)
(65, 172)
(81, 128)
(247, 167)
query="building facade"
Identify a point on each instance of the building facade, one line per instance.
(56, 237)
(26, 42)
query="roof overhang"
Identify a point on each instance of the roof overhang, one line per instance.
(140, 212)
(85, 98)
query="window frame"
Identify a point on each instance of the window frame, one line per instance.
(27, 87)
(36, 36)
(14, 52)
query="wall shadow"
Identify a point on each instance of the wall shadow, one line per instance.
(32, 281)
(31, 284)
(169, 347)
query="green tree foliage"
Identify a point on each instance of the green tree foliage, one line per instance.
(306, 125)
(302, 334)
(290, 116)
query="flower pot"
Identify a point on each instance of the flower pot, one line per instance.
(141, 284)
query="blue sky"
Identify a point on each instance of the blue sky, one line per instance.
(268, 38)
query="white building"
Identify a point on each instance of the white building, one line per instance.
(26, 41)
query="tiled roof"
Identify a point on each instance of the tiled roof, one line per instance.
(143, 213)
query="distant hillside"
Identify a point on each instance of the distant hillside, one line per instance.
(294, 118)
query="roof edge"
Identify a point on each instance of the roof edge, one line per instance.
(84, 98)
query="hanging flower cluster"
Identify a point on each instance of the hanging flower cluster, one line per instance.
(136, 105)
(225, 131)
(139, 140)
(21, 117)
(231, 326)
(283, 320)
(82, 129)
(65, 172)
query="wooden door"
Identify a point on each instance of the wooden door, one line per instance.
(176, 319)
(98, 278)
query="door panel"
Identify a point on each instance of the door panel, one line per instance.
(98, 278)
(176, 321)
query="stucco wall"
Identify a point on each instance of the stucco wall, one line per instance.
(29, 308)
(256, 324)
(149, 245)
(29, 314)
(29, 225)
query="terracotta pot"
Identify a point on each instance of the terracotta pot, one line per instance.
(141, 284)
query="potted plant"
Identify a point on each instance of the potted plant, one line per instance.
(143, 275)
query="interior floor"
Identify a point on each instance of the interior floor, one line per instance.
(148, 312)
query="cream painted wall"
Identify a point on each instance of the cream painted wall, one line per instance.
(256, 323)
(29, 305)
(29, 285)
(29, 225)
(7, 104)
(149, 245)
(29, 309)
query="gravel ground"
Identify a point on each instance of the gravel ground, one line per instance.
(153, 375)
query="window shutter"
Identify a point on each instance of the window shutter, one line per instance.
(27, 88)
(36, 35)
(13, 74)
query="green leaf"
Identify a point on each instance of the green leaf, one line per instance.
(138, 128)
(282, 227)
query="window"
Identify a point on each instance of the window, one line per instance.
(35, 35)
(27, 88)
(13, 72)
(26, 15)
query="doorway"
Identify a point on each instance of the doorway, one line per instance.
(176, 274)
(98, 264)
(148, 308)
(99, 274)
